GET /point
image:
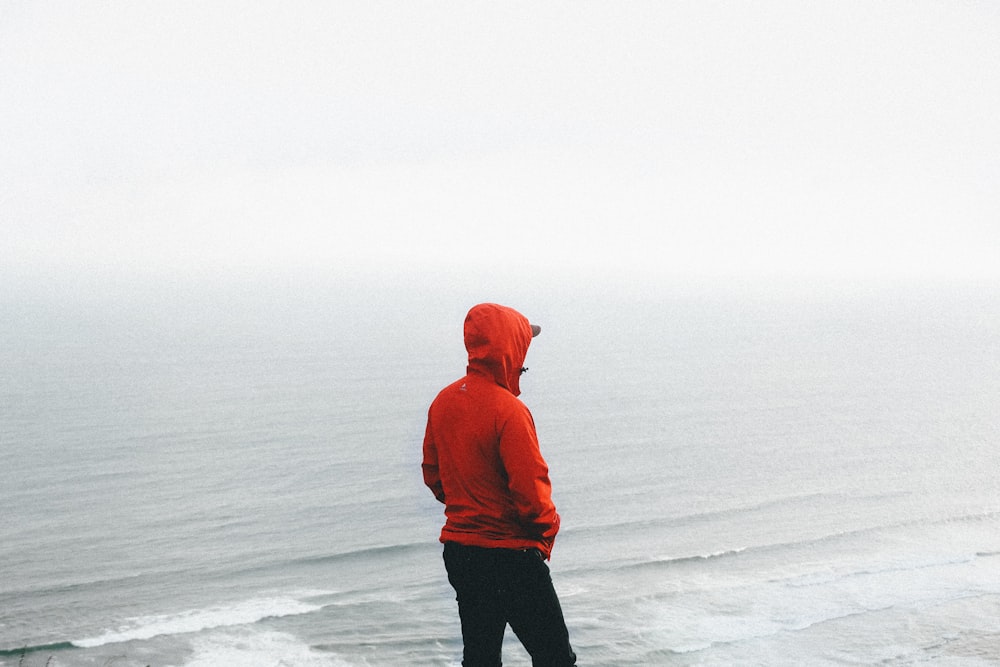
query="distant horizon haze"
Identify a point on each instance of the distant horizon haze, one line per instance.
(784, 140)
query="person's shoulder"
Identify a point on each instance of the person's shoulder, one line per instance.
(455, 386)
(508, 402)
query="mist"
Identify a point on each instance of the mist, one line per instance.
(665, 141)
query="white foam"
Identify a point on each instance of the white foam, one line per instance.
(244, 648)
(197, 620)
(692, 621)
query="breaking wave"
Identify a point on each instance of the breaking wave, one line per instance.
(196, 620)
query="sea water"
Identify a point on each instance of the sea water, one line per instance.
(195, 475)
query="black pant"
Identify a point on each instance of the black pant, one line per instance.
(495, 587)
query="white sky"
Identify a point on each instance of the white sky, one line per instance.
(690, 137)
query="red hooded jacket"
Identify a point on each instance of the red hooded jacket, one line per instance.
(481, 456)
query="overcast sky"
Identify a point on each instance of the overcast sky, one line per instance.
(690, 137)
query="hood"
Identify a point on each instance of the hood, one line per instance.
(497, 338)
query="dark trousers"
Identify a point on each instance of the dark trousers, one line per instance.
(496, 587)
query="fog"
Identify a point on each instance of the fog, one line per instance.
(736, 139)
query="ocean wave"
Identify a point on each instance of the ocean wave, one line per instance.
(865, 533)
(258, 649)
(28, 650)
(685, 520)
(678, 560)
(987, 515)
(366, 553)
(363, 554)
(736, 633)
(197, 620)
(825, 579)
(75, 586)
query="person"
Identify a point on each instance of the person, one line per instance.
(482, 460)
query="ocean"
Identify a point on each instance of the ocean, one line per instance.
(215, 473)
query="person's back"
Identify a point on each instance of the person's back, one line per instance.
(482, 460)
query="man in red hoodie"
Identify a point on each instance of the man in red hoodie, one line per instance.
(481, 459)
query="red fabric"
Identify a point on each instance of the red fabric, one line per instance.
(481, 455)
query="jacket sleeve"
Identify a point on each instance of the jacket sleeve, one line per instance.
(432, 476)
(528, 477)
